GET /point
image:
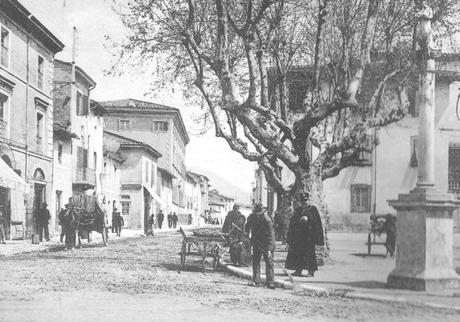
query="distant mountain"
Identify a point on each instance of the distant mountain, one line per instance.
(224, 186)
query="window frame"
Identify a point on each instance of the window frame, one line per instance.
(60, 150)
(124, 121)
(7, 66)
(125, 205)
(40, 75)
(353, 189)
(160, 126)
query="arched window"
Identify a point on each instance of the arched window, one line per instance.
(7, 160)
(39, 175)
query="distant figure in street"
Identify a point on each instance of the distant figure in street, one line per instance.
(174, 220)
(263, 243)
(305, 231)
(68, 225)
(160, 218)
(169, 220)
(61, 218)
(2, 228)
(119, 222)
(43, 220)
(389, 226)
(150, 222)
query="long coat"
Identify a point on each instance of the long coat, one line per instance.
(262, 231)
(305, 231)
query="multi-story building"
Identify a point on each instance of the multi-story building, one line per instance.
(26, 114)
(199, 196)
(78, 130)
(219, 205)
(365, 188)
(161, 127)
(138, 166)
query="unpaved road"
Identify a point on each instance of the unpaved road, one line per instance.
(137, 280)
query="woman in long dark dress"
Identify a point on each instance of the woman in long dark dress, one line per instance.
(305, 231)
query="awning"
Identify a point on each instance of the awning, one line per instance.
(154, 195)
(10, 179)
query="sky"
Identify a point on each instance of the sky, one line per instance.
(95, 19)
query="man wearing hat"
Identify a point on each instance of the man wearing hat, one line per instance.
(305, 231)
(43, 220)
(263, 243)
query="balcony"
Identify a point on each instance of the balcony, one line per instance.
(85, 177)
(3, 125)
(454, 186)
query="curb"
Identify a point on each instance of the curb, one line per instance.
(345, 292)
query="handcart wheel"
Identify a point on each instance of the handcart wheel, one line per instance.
(369, 244)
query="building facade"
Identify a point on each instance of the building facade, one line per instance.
(219, 205)
(161, 127)
(26, 113)
(138, 167)
(78, 135)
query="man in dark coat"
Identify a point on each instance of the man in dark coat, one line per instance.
(160, 218)
(231, 218)
(238, 243)
(169, 220)
(263, 243)
(174, 220)
(43, 220)
(305, 231)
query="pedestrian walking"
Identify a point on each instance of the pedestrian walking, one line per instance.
(118, 221)
(260, 226)
(2, 227)
(43, 221)
(150, 223)
(305, 232)
(169, 220)
(160, 218)
(61, 216)
(174, 220)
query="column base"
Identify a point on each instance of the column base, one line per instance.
(427, 281)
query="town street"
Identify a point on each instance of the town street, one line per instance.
(136, 279)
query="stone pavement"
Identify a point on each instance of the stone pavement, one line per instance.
(13, 247)
(350, 272)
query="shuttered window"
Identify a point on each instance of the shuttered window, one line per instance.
(360, 198)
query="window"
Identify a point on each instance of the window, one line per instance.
(60, 153)
(3, 105)
(40, 72)
(365, 155)
(360, 198)
(123, 125)
(413, 151)
(454, 168)
(5, 47)
(39, 134)
(95, 160)
(82, 104)
(82, 158)
(125, 208)
(160, 126)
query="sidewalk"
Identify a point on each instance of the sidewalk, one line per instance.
(351, 273)
(14, 247)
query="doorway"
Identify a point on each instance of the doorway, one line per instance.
(5, 208)
(39, 199)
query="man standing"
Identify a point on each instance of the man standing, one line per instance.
(234, 217)
(305, 231)
(231, 218)
(150, 222)
(174, 220)
(160, 218)
(117, 221)
(263, 243)
(169, 220)
(43, 220)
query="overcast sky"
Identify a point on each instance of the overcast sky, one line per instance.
(94, 20)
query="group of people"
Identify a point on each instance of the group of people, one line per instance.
(172, 222)
(305, 232)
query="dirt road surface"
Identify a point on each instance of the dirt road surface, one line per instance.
(137, 280)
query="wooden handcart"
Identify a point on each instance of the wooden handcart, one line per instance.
(379, 225)
(204, 246)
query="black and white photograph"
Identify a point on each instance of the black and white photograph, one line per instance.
(229, 160)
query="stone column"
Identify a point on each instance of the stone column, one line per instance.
(424, 243)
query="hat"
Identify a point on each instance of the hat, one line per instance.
(258, 207)
(304, 196)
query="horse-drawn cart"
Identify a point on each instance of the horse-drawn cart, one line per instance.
(203, 243)
(382, 224)
(88, 216)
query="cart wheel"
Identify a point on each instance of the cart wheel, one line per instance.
(369, 244)
(104, 236)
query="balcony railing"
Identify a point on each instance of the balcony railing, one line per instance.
(454, 186)
(85, 176)
(3, 125)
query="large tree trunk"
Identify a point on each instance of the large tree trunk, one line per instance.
(283, 214)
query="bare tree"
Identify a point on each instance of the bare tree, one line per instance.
(240, 55)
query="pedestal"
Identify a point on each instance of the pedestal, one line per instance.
(424, 242)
